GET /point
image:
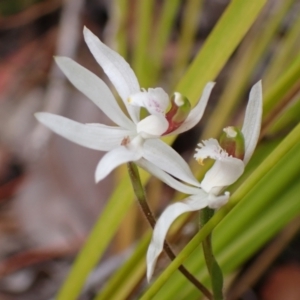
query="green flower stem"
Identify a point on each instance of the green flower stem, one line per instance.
(141, 197)
(213, 267)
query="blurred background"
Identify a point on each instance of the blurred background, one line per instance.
(48, 198)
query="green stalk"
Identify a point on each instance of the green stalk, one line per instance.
(212, 265)
(141, 197)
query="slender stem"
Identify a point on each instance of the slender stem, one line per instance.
(205, 216)
(213, 268)
(141, 196)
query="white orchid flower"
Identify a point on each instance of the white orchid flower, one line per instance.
(133, 139)
(228, 167)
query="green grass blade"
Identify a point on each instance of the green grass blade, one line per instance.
(192, 11)
(143, 25)
(251, 52)
(226, 35)
(127, 277)
(289, 118)
(285, 53)
(281, 94)
(121, 37)
(163, 31)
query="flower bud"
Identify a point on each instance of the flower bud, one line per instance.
(232, 141)
(180, 109)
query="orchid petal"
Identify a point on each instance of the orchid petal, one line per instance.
(100, 137)
(169, 180)
(167, 159)
(163, 224)
(252, 121)
(95, 89)
(113, 159)
(197, 112)
(156, 100)
(152, 126)
(224, 172)
(117, 70)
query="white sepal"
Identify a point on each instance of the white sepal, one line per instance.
(95, 89)
(170, 214)
(100, 137)
(166, 178)
(197, 112)
(166, 158)
(252, 121)
(117, 70)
